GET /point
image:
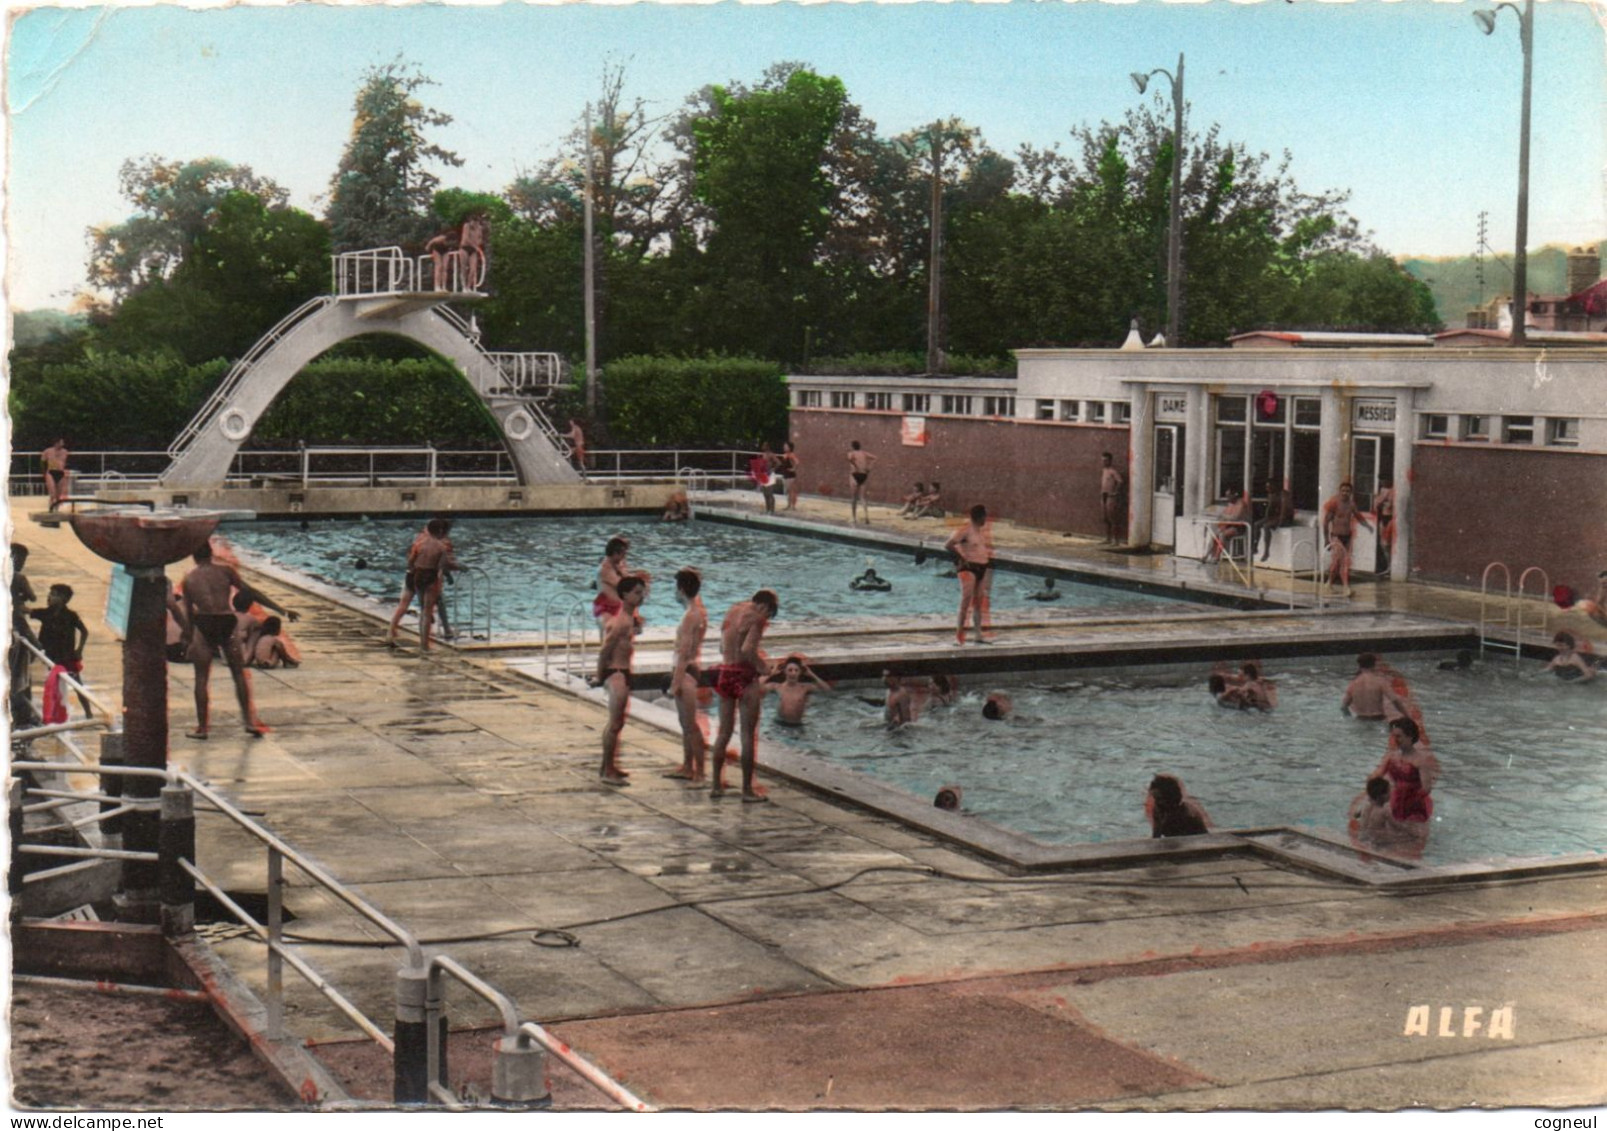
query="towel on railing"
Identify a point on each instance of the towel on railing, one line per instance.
(55, 698)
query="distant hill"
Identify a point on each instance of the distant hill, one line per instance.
(35, 327)
(1455, 285)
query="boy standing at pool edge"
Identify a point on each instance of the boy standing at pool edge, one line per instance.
(684, 681)
(614, 657)
(738, 685)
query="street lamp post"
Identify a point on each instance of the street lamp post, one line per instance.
(1174, 228)
(1520, 264)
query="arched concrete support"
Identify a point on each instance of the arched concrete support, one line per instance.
(205, 461)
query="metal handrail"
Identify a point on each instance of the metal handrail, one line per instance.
(580, 649)
(1318, 589)
(391, 262)
(1545, 605)
(1506, 608)
(457, 322)
(231, 380)
(546, 628)
(478, 591)
(67, 678)
(584, 1068)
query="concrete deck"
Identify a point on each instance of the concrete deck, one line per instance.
(858, 962)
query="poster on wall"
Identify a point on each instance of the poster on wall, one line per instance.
(914, 432)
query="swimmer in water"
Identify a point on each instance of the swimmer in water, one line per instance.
(945, 688)
(948, 799)
(1371, 825)
(1369, 695)
(1595, 608)
(1412, 771)
(1171, 811)
(902, 706)
(1253, 690)
(1574, 659)
(792, 691)
(1462, 663)
(869, 582)
(997, 706)
(1224, 695)
(1047, 593)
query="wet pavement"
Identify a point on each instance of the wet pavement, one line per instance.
(859, 962)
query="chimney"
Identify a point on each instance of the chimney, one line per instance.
(1584, 268)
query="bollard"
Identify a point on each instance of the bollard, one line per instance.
(435, 1027)
(519, 1074)
(175, 841)
(410, 1065)
(112, 754)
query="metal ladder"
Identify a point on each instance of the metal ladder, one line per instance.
(579, 605)
(1318, 587)
(530, 404)
(473, 591)
(1512, 612)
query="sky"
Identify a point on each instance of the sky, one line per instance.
(1404, 103)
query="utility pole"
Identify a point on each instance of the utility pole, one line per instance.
(590, 284)
(934, 288)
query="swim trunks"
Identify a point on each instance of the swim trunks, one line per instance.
(605, 606)
(56, 473)
(979, 570)
(425, 579)
(731, 680)
(608, 673)
(216, 628)
(860, 477)
(1343, 540)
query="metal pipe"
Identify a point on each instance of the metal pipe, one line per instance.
(88, 853)
(585, 1069)
(317, 980)
(115, 989)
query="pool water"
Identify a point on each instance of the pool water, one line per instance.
(533, 560)
(1521, 753)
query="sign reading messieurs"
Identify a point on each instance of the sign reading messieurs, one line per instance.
(1375, 412)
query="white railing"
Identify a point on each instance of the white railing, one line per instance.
(529, 374)
(1512, 610)
(421, 464)
(374, 271)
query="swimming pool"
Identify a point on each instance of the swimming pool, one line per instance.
(1521, 754)
(532, 560)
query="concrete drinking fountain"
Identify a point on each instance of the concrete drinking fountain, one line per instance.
(144, 539)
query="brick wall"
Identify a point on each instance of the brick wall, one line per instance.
(1476, 505)
(1040, 474)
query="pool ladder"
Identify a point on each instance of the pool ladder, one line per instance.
(1319, 588)
(696, 480)
(474, 590)
(576, 615)
(1511, 613)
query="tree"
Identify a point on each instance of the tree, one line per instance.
(1346, 291)
(175, 202)
(382, 191)
(759, 167)
(249, 267)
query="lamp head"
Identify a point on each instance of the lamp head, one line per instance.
(1142, 81)
(1485, 18)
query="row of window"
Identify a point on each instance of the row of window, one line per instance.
(914, 404)
(1558, 431)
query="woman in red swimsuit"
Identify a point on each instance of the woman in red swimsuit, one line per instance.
(1412, 771)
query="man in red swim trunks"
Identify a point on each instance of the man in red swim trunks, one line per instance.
(737, 683)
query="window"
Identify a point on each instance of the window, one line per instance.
(1232, 442)
(1305, 446)
(1475, 428)
(879, 402)
(1436, 426)
(1069, 410)
(1096, 412)
(954, 405)
(841, 399)
(1562, 432)
(998, 406)
(918, 403)
(1123, 412)
(808, 398)
(1046, 410)
(1517, 429)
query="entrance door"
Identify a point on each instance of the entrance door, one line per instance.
(1167, 500)
(1372, 460)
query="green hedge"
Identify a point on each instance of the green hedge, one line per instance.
(694, 402)
(899, 363)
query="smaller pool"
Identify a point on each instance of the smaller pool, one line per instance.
(1521, 754)
(533, 560)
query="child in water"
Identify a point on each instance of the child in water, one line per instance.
(793, 692)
